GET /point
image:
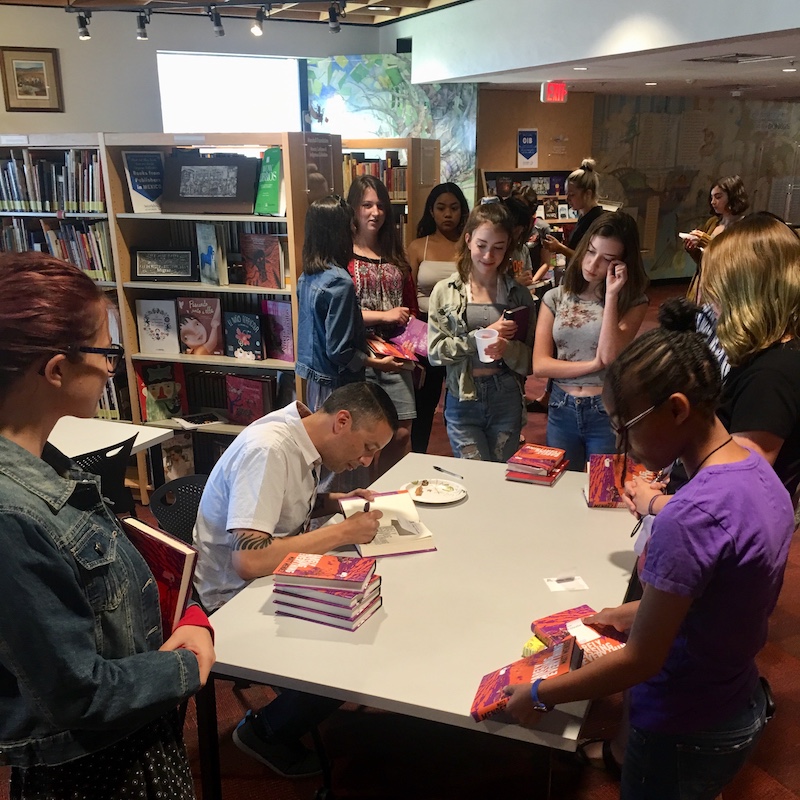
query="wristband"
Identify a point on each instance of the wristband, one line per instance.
(650, 504)
(538, 704)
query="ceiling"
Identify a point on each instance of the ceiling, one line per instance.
(356, 13)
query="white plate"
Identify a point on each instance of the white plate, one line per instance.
(435, 490)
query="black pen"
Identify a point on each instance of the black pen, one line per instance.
(366, 507)
(447, 472)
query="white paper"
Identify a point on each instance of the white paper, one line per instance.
(573, 584)
(582, 633)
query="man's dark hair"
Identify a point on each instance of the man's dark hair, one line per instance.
(366, 402)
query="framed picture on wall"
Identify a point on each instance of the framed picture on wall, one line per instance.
(31, 79)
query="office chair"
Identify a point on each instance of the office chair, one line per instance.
(175, 505)
(110, 464)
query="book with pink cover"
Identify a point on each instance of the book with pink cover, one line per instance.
(332, 620)
(414, 337)
(595, 641)
(300, 606)
(540, 480)
(490, 701)
(380, 347)
(329, 572)
(605, 479)
(249, 399)
(200, 326)
(278, 329)
(536, 459)
(335, 602)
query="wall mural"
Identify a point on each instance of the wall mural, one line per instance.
(372, 95)
(659, 156)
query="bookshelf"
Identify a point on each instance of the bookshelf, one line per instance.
(548, 183)
(419, 166)
(131, 231)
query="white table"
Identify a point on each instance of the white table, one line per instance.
(451, 616)
(74, 436)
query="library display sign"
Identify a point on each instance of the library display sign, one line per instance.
(31, 79)
(164, 265)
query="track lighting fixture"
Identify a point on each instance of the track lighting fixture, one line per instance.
(216, 21)
(257, 28)
(83, 26)
(142, 19)
(333, 18)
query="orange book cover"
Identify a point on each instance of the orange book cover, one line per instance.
(330, 572)
(490, 701)
(383, 348)
(595, 641)
(536, 459)
(605, 479)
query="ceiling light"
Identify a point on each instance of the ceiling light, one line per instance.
(216, 21)
(83, 26)
(580, 69)
(790, 68)
(257, 27)
(650, 83)
(142, 18)
(378, 8)
(333, 19)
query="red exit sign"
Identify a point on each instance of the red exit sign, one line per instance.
(553, 92)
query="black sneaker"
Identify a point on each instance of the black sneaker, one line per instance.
(289, 761)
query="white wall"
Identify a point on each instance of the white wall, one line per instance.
(111, 82)
(478, 38)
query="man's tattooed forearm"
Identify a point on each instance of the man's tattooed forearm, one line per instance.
(249, 540)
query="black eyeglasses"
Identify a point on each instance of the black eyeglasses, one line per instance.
(113, 354)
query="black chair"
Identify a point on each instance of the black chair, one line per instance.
(175, 505)
(110, 464)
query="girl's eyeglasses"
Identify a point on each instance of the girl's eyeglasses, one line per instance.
(114, 356)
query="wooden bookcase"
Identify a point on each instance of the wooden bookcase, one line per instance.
(421, 158)
(130, 231)
(489, 178)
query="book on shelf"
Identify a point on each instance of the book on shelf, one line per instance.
(278, 338)
(243, 336)
(605, 489)
(332, 620)
(550, 205)
(271, 194)
(595, 641)
(323, 599)
(144, 174)
(177, 456)
(413, 338)
(172, 563)
(563, 210)
(490, 701)
(536, 459)
(206, 392)
(325, 571)
(211, 258)
(157, 323)
(557, 185)
(549, 479)
(161, 389)
(249, 398)
(262, 258)
(401, 531)
(200, 326)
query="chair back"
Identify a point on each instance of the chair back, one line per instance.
(175, 505)
(110, 464)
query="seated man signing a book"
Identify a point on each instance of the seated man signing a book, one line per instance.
(255, 510)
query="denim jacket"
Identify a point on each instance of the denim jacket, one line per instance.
(450, 344)
(79, 618)
(331, 339)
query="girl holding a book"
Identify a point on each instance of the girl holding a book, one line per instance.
(386, 294)
(583, 325)
(697, 705)
(90, 701)
(483, 406)
(331, 343)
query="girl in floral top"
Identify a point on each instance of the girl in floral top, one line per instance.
(583, 325)
(386, 294)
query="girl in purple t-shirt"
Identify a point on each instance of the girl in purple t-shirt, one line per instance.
(712, 574)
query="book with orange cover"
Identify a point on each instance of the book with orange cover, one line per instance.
(381, 347)
(337, 597)
(536, 459)
(327, 572)
(541, 480)
(595, 641)
(490, 701)
(172, 563)
(605, 479)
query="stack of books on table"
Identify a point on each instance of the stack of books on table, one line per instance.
(332, 590)
(536, 463)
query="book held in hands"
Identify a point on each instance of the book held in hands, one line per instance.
(605, 487)
(594, 640)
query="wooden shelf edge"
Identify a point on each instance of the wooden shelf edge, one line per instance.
(214, 361)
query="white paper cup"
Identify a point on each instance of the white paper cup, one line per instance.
(483, 338)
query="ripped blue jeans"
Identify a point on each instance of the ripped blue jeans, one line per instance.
(487, 428)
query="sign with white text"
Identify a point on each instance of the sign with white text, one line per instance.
(527, 148)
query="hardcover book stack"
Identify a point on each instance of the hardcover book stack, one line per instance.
(536, 463)
(330, 590)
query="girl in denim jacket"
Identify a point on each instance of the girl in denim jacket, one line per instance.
(483, 406)
(90, 689)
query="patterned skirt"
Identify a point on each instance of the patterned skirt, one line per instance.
(150, 764)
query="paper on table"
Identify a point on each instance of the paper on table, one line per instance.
(582, 633)
(573, 584)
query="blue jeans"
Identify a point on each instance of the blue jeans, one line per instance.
(580, 426)
(697, 766)
(488, 428)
